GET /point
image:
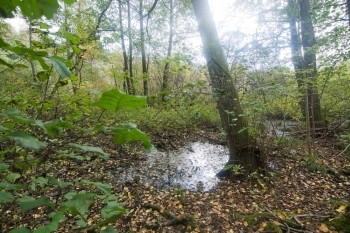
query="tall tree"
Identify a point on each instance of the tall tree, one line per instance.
(131, 73)
(127, 83)
(348, 9)
(166, 74)
(143, 52)
(310, 70)
(296, 51)
(242, 146)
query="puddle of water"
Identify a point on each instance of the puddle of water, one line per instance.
(193, 167)
(281, 128)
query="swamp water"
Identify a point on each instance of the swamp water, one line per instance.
(193, 167)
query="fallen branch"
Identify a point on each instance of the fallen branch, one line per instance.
(185, 219)
(346, 148)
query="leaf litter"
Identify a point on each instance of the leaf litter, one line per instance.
(289, 197)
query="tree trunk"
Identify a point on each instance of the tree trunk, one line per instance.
(125, 56)
(32, 65)
(166, 74)
(242, 146)
(143, 53)
(297, 57)
(131, 75)
(310, 70)
(348, 10)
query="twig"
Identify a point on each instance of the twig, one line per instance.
(346, 148)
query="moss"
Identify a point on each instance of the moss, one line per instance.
(340, 223)
(270, 227)
(254, 219)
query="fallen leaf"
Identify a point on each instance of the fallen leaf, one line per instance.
(341, 209)
(262, 226)
(323, 228)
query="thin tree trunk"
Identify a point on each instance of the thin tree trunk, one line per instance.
(143, 53)
(125, 56)
(131, 75)
(166, 74)
(348, 9)
(242, 145)
(310, 69)
(30, 46)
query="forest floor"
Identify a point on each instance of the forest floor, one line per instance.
(298, 195)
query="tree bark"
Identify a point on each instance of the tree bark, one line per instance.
(166, 74)
(131, 74)
(242, 146)
(296, 51)
(310, 70)
(143, 52)
(125, 56)
(348, 10)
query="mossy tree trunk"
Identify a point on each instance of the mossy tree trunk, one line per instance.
(242, 146)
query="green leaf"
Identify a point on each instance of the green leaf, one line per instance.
(80, 203)
(56, 217)
(10, 112)
(8, 186)
(115, 100)
(3, 62)
(113, 208)
(53, 128)
(69, 2)
(61, 184)
(25, 140)
(128, 132)
(4, 166)
(42, 75)
(106, 188)
(27, 203)
(6, 197)
(74, 39)
(20, 230)
(92, 149)
(7, 8)
(12, 176)
(22, 120)
(76, 49)
(109, 229)
(13, 56)
(61, 83)
(40, 181)
(60, 67)
(35, 9)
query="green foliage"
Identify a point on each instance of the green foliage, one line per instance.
(128, 132)
(314, 165)
(27, 203)
(235, 169)
(6, 197)
(25, 140)
(92, 149)
(115, 100)
(60, 66)
(20, 230)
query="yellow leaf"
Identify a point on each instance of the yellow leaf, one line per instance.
(262, 226)
(245, 223)
(341, 209)
(323, 228)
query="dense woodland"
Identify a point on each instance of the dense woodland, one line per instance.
(91, 91)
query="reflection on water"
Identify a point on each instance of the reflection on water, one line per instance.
(193, 167)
